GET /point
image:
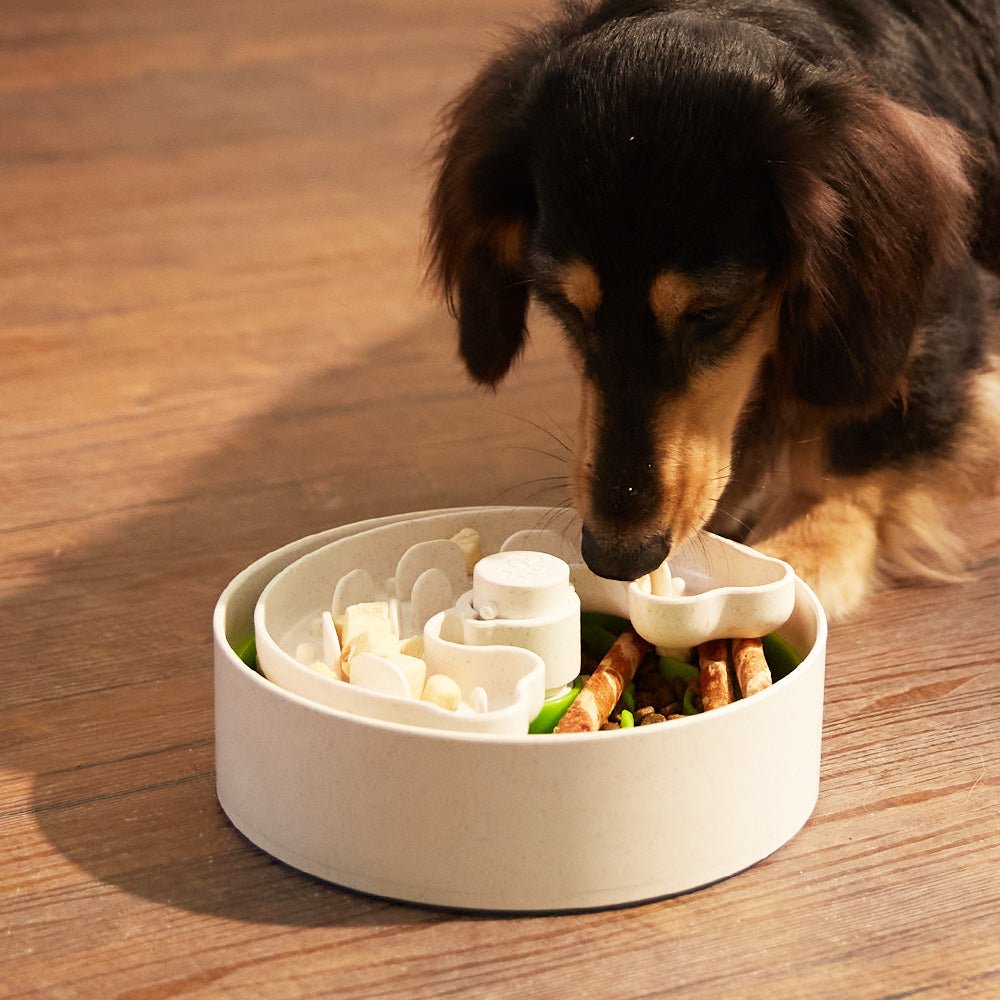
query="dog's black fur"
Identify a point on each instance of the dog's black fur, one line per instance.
(768, 228)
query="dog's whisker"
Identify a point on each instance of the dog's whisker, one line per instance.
(538, 451)
(556, 512)
(563, 435)
(563, 444)
(553, 481)
(734, 518)
(542, 491)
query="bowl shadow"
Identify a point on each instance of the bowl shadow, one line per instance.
(120, 741)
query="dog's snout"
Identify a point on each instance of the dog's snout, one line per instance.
(609, 556)
(623, 495)
(625, 501)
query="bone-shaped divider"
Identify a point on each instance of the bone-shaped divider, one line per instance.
(713, 588)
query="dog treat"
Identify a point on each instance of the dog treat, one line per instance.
(751, 667)
(602, 690)
(713, 671)
(442, 690)
(367, 628)
(660, 583)
(468, 541)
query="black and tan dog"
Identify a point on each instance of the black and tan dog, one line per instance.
(768, 228)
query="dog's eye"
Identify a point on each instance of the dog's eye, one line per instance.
(709, 316)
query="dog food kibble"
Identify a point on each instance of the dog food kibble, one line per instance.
(666, 688)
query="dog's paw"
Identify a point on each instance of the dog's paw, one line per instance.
(833, 548)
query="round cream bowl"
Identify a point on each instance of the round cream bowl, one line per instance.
(511, 823)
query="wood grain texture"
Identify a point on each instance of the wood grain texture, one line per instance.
(214, 340)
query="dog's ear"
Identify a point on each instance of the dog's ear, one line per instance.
(876, 200)
(481, 209)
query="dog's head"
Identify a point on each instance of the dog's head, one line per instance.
(688, 198)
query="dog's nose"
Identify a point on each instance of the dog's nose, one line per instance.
(614, 559)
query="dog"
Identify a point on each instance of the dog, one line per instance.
(771, 232)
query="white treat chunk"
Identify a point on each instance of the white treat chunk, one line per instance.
(659, 582)
(679, 585)
(413, 646)
(368, 617)
(441, 690)
(469, 542)
(381, 642)
(367, 629)
(305, 652)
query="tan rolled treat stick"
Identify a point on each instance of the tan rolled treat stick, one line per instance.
(751, 668)
(600, 694)
(713, 671)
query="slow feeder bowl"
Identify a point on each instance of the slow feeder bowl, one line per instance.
(488, 820)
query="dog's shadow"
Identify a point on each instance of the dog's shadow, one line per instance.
(133, 607)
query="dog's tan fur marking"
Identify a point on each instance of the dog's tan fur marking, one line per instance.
(842, 534)
(833, 543)
(671, 293)
(581, 286)
(587, 431)
(694, 433)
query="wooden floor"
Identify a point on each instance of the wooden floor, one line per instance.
(214, 340)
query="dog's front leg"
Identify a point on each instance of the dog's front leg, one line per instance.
(830, 541)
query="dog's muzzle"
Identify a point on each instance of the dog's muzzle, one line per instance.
(613, 558)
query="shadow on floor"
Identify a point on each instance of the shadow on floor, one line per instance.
(136, 604)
